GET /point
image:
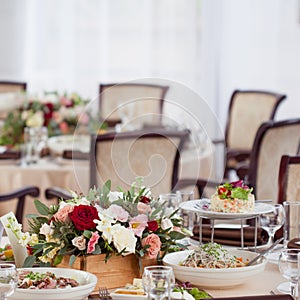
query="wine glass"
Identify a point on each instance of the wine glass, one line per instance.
(272, 221)
(288, 267)
(187, 216)
(158, 282)
(8, 280)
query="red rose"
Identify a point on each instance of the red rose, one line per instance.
(145, 200)
(48, 112)
(152, 225)
(83, 217)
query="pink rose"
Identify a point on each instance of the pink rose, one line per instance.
(92, 242)
(62, 214)
(63, 126)
(117, 212)
(143, 208)
(154, 243)
(84, 119)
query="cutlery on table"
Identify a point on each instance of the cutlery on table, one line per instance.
(263, 253)
(104, 293)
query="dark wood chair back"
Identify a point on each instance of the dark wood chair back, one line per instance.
(144, 102)
(248, 109)
(12, 86)
(150, 153)
(20, 195)
(289, 179)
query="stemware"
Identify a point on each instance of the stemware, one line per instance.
(272, 221)
(158, 282)
(172, 200)
(288, 267)
(8, 280)
(188, 216)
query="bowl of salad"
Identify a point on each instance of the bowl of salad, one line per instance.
(53, 284)
(213, 266)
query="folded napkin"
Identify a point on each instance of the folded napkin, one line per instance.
(263, 297)
(10, 154)
(294, 243)
(231, 237)
(75, 154)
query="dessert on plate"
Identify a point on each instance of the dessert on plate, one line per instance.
(233, 197)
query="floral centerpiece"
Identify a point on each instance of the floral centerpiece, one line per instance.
(105, 222)
(59, 113)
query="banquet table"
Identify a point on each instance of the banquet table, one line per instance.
(261, 284)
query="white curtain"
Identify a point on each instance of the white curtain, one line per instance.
(74, 45)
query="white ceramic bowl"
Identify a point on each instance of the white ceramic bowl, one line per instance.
(214, 278)
(87, 283)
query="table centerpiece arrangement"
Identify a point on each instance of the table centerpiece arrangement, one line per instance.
(112, 234)
(59, 113)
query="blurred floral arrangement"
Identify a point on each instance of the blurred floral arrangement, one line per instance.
(59, 113)
(104, 222)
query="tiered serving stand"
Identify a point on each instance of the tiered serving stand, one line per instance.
(201, 207)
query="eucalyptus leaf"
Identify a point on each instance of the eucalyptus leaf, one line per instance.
(41, 207)
(29, 261)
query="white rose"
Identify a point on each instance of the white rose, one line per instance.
(36, 120)
(79, 242)
(46, 229)
(113, 196)
(123, 238)
(166, 224)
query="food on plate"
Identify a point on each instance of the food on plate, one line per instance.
(212, 255)
(36, 280)
(182, 290)
(136, 288)
(6, 253)
(234, 197)
(185, 290)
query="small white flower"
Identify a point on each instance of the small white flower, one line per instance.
(46, 229)
(79, 242)
(166, 224)
(113, 196)
(36, 120)
(105, 226)
(25, 239)
(83, 201)
(123, 238)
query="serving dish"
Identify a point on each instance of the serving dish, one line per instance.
(214, 278)
(87, 283)
(202, 206)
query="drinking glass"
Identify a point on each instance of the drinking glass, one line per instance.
(292, 220)
(8, 280)
(187, 216)
(272, 221)
(172, 200)
(158, 282)
(42, 139)
(288, 267)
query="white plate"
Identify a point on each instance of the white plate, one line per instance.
(57, 144)
(201, 206)
(175, 295)
(117, 296)
(87, 283)
(214, 278)
(284, 287)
